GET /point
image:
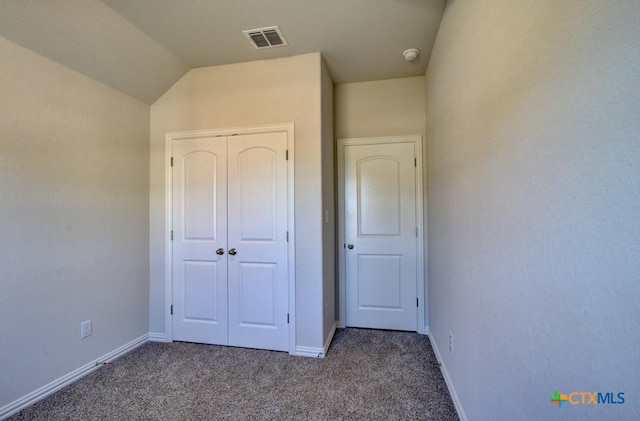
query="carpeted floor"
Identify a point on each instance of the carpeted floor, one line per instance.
(366, 375)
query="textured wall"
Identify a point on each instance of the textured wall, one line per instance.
(250, 94)
(91, 38)
(74, 165)
(533, 136)
(381, 108)
(328, 205)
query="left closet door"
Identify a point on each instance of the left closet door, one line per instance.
(200, 265)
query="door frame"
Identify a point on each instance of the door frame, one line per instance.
(287, 128)
(421, 287)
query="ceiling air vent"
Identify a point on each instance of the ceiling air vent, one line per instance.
(265, 37)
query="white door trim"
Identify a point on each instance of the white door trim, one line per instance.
(287, 128)
(421, 284)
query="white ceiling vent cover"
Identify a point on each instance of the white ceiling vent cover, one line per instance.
(265, 37)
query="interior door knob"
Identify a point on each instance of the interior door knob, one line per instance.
(220, 251)
(350, 246)
(233, 252)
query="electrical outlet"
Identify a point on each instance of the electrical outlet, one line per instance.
(85, 329)
(451, 342)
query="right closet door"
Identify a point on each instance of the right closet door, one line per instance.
(229, 207)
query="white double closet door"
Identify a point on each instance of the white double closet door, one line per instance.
(229, 221)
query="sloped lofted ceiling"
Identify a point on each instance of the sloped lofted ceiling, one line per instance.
(142, 47)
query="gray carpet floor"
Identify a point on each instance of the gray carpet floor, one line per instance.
(366, 375)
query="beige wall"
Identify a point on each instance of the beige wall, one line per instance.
(534, 204)
(74, 179)
(250, 94)
(328, 205)
(380, 108)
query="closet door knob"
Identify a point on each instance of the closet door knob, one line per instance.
(220, 251)
(350, 246)
(233, 252)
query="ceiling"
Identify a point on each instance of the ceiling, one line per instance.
(142, 47)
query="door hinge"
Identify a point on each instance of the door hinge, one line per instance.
(417, 232)
(287, 318)
(287, 236)
(171, 308)
(286, 154)
(171, 235)
(415, 162)
(172, 161)
(417, 305)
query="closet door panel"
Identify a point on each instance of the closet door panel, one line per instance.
(257, 233)
(199, 229)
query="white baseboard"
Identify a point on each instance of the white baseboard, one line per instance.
(46, 390)
(309, 351)
(157, 337)
(447, 379)
(313, 352)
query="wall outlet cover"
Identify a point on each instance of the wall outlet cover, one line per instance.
(85, 329)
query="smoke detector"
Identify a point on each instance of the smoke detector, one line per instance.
(265, 37)
(411, 54)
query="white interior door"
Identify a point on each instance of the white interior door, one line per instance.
(258, 285)
(230, 263)
(380, 235)
(199, 230)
